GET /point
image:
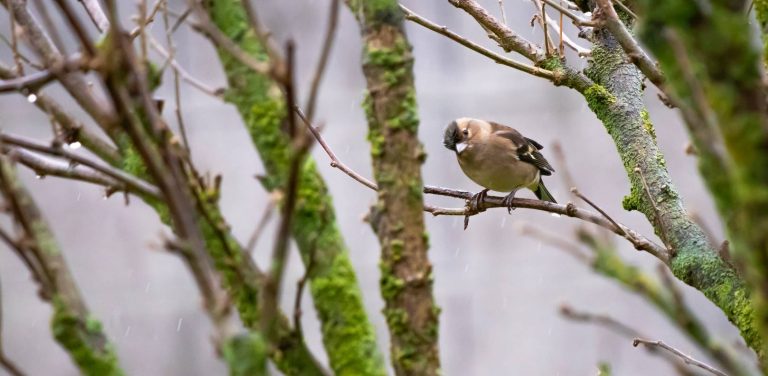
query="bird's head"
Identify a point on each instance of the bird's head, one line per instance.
(457, 134)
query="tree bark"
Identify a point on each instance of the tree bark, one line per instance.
(397, 217)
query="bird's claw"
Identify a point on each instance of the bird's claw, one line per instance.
(476, 202)
(507, 201)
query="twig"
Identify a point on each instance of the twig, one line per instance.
(581, 51)
(222, 41)
(556, 240)
(578, 21)
(507, 38)
(183, 73)
(594, 206)
(325, 54)
(250, 247)
(74, 22)
(610, 20)
(6, 363)
(130, 181)
(625, 8)
(145, 21)
(300, 284)
(300, 147)
(637, 240)
(411, 16)
(176, 83)
(503, 14)
(656, 211)
(34, 81)
(45, 167)
(686, 358)
(275, 59)
(93, 8)
(604, 320)
(547, 40)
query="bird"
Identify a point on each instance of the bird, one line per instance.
(499, 158)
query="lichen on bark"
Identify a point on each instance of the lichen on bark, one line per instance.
(397, 217)
(616, 99)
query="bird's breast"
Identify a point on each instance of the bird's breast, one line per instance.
(496, 168)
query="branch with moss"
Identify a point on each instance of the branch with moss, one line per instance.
(689, 42)
(397, 218)
(73, 326)
(348, 336)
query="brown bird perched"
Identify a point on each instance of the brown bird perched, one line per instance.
(498, 158)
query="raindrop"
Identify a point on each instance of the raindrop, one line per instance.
(466, 268)
(127, 331)
(78, 196)
(146, 288)
(32, 98)
(39, 176)
(178, 326)
(456, 254)
(75, 145)
(503, 221)
(556, 215)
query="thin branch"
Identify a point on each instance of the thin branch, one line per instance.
(330, 32)
(34, 81)
(183, 73)
(131, 182)
(564, 38)
(555, 240)
(221, 40)
(507, 38)
(250, 247)
(638, 241)
(300, 284)
(686, 358)
(499, 59)
(299, 148)
(603, 320)
(578, 21)
(503, 14)
(93, 8)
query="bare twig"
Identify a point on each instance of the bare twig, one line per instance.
(183, 73)
(300, 147)
(539, 72)
(222, 41)
(604, 320)
(656, 211)
(578, 21)
(34, 81)
(594, 206)
(686, 358)
(93, 8)
(503, 14)
(564, 38)
(300, 284)
(250, 247)
(508, 39)
(556, 240)
(131, 182)
(325, 54)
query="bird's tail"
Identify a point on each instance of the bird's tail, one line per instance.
(542, 193)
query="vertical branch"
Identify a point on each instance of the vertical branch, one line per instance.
(397, 219)
(72, 324)
(348, 336)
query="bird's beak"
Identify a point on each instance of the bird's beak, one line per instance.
(460, 147)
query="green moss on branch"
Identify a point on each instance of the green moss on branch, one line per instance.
(348, 336)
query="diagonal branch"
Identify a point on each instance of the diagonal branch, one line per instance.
(685, 357)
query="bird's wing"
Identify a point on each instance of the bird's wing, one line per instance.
(527, 149)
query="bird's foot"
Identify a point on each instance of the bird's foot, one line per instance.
(476, 202)
(507, 201)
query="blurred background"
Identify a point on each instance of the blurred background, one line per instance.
(499, 291)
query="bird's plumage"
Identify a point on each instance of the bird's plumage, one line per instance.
(498, 157)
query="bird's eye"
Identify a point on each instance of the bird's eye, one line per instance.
(465, 132)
